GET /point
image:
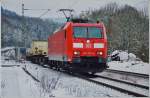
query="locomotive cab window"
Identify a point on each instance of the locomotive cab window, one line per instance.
(87, 32)
(80, 32)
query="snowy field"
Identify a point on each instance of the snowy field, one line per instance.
(15, 83)
(128, 62)
(131, 66)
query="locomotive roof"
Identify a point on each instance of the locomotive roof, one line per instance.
(80, 20)
(88, 24)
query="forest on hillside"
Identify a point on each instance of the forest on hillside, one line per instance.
(127, 28)
(18, 31)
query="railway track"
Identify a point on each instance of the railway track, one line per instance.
(34, 78)
(127, 73)
(9, 65)
(129, 88)
(119, 85)
(122, 81)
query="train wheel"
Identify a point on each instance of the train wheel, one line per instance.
(93, 73)
(58, 66)
(41, 61)
(35, 60)
(50, 64)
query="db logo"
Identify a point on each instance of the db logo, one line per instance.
(88, 45)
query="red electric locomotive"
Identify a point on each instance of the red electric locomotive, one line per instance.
(79, 47)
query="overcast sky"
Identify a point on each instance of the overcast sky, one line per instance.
(54, 5)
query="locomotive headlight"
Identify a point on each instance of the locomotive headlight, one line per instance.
(77, 45)
(98, 45)
(100, 53)
(76, 52)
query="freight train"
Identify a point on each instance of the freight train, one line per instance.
(38, 52)
(78, 46)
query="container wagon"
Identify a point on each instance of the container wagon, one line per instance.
(38, 52)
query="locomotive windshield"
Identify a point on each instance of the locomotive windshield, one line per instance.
(87, 32)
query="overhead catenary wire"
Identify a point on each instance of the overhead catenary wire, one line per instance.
(24, 27)
(35, 9)
(47, 10)
(44, 13)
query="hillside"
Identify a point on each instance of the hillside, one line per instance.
(14, 29)
(127, 28)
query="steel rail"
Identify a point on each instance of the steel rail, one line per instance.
(113, 87)
(128, 73)
(125, 82)
(25, 70)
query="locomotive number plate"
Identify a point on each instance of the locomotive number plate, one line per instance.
(88, 53)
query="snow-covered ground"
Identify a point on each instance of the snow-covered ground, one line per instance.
(59, 84)
(125, 77)
(10, 63)
(15, 83)
(7, 48)
(124, 61)
(130, 66)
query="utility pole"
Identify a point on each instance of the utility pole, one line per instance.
(24, 27)
(22, 10)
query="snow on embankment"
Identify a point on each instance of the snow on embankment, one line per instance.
(7, 48)
(124, 61)
(15, 83)
(10, 63)
(6, 63)
(128, 66)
